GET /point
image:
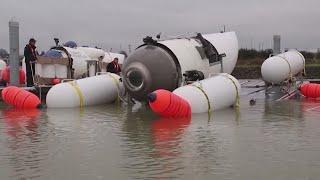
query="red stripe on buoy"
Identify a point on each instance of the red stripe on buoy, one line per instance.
(310, 90)
(20, 98)
(167, 104)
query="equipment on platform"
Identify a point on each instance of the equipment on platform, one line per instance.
(282, 67)
(161, 64)
(96, 90)
(192, 76)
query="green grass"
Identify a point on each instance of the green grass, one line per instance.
(258, 66)
(312, 65)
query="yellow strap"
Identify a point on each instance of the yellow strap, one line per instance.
(238, 96)
(304, 63)
(206, 96)
(290, 71)
(118, 86)
(78, 91)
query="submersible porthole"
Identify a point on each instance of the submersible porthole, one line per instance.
(135, 80)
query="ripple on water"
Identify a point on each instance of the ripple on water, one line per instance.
(270, 140)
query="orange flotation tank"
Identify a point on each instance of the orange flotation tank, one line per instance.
(167, 104)
(310, 90)
(5, 74)
(20, 98)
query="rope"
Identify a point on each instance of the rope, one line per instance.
(205, 95)
(77, 90)
(290, 70)
(236, 87)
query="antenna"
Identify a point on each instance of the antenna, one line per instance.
(56, 40)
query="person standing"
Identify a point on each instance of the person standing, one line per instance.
(114, 66)
(30, 55)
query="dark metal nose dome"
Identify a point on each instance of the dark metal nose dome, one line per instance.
(149, 68)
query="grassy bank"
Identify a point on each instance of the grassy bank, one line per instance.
(251, 69)
(250, 61)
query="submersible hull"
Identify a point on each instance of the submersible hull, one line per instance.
(163, 64)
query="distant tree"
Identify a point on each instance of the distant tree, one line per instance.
(252, 53)
(318, 55)
(308, 55)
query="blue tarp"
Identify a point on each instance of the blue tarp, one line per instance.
(70, 44)
(53, 54)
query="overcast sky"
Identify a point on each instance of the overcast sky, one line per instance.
(111, 23)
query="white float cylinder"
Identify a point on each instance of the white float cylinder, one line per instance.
(283, 66)
(217, 92)
(96, 90)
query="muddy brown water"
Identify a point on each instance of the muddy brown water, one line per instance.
(270, 140)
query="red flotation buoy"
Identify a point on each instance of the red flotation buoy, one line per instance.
(167, 104)
(5, 74)
(20, 98)
(310, 90)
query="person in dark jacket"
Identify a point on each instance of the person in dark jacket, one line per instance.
(114, 66)
(30, 55)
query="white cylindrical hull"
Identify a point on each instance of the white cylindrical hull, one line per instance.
(80, 59)
(279, 68)
(217, 92)
(90, 91)
(190, 59)
(93, 53)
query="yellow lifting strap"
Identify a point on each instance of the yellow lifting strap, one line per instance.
(78, 91)
(236, 87)
(116, 82)
(304, 63)
(205, 95)
(290, 70)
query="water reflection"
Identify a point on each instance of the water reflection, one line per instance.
(287, 109)
(24, 153)
(166, 147)
(272, 140)
(167, 134)
(21, 122)
(310, 105)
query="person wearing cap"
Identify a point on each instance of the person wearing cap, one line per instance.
(30, 55)
(114, 66)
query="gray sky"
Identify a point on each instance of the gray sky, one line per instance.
(109, 23)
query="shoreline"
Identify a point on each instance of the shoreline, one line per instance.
(244, 70)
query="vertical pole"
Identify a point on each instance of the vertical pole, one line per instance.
(14, 61)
